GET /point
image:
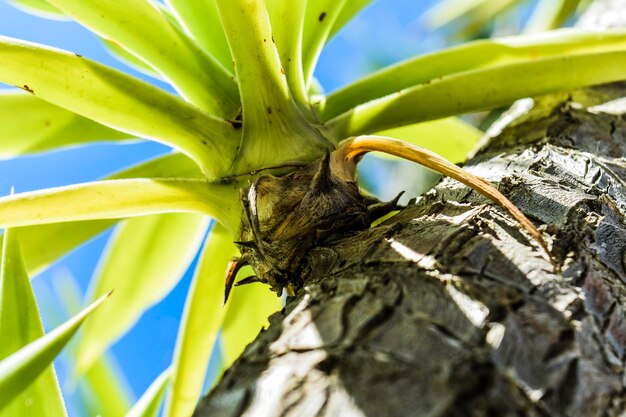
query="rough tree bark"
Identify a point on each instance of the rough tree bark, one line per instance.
(448, 309)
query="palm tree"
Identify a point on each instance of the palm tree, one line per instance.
(272, 160)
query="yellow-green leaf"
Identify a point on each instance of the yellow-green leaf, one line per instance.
(471, 57)
(21, 368)
(144, 260)
(550, 14)
(481, 89)
(150, 402)
(202, 20)
(104, 388)
(172, 165)
(473, 24)
(20, 325)
(287, 20)
(446, 12)
(119, 101)
(29, 124)
(451, 138)
(319, 20)
(136, 25)
(201, 323)
(129, 59)
(36, 247)
(39, 7)
(116, 199)
(37, 251)
(248, 310)
(350, 9)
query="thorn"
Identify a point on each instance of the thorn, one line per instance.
(246, 243)
(231, 273)
(247, 280)
(379, 210)
(323, 177)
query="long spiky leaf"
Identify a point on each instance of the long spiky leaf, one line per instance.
(37, 251)
(287, 19)
(145, 258)
(17, 299)
(480, 90)
(135, 25)
(349, 10)
(119, 101)
(550, 14)
(150, 402)
(29, 124)
(114, 199)
(319, 20)
(202, 20)
(22, 367)
(202, 320)
(39, 7)
(472, 56)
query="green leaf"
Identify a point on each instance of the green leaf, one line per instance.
(444, 12)
(36, 247)
(249, 307)
(29, 124)
(202, 20)
(275, 130)
(172, 165)
(488, 87)
(247, 28)
(115, 199)
(471, 56)
(350, 9)
(107, 392)
(150, 402)
(135, 25)
(103, 388)
(39, 7)
(119, 101)
(145, 259)
(319, 20)
(129, 59)
(451, 138)
(21, 368)
(38, 253)
(287, 20)
(447, 12)
(20, 325)
(201, 323)
(550, 14)
(484, 16)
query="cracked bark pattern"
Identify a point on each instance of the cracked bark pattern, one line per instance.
(449, 309)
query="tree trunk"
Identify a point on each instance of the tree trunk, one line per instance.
(449, 309)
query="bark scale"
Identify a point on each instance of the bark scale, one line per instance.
(449, 309)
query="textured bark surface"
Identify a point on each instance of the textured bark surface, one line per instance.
(448, 309)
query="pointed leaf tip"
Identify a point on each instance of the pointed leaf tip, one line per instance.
(18, 370)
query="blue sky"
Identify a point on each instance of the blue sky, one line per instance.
(386, 32)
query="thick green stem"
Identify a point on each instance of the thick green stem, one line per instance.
(274, 130)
